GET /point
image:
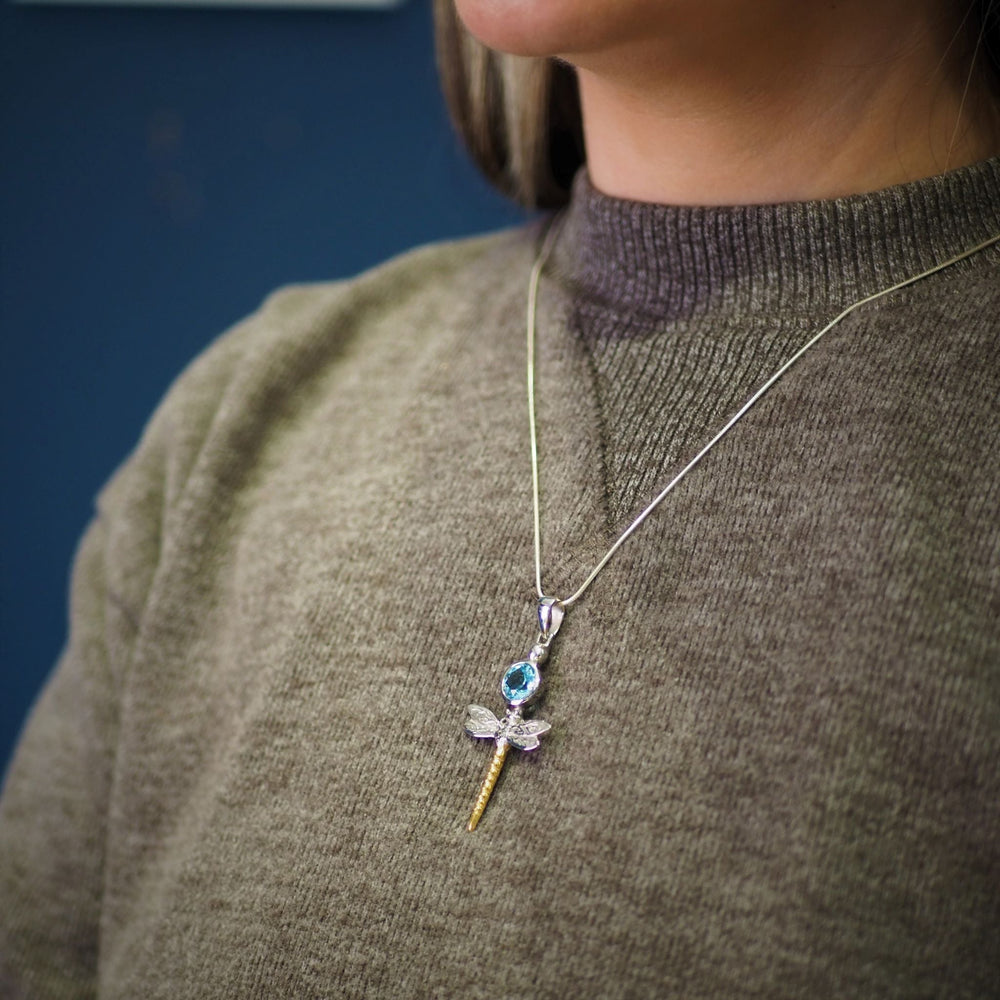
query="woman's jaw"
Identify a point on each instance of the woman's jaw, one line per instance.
(740, 101)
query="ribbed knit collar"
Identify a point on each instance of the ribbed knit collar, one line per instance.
(665, 262)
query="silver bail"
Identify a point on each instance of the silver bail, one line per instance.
(550, 617)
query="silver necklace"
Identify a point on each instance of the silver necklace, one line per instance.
(521, 681)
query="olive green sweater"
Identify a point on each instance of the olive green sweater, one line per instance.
(774, 763)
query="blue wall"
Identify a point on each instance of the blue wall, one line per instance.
(162, 170)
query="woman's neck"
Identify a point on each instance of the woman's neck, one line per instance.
(843, 99)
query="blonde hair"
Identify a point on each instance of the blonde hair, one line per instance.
(519, 117)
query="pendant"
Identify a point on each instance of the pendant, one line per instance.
(519, 685)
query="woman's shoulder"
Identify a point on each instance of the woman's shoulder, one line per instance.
(252, 372)
(314, 360)
(448, 271)
(451, 276)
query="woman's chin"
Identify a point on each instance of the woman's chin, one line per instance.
(540, 28)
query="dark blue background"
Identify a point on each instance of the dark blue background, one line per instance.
(162, 170)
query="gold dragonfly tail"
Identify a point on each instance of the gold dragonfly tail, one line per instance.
(499, 756)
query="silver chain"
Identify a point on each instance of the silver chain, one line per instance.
(536, 273)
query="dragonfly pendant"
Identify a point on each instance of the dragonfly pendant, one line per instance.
(519, 685)
(512, 730)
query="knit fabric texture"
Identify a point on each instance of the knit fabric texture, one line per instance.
(774, 763)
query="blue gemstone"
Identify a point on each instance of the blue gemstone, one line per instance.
(520, 682)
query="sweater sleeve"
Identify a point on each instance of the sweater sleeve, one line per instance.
(54, 808)
(53, 811)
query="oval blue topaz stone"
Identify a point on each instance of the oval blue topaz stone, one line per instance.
(520, 681)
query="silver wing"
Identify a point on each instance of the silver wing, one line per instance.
(524, 735)
(482, 723)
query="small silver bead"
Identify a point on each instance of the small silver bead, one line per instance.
(539, 654)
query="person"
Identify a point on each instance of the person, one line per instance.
(772, 767)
